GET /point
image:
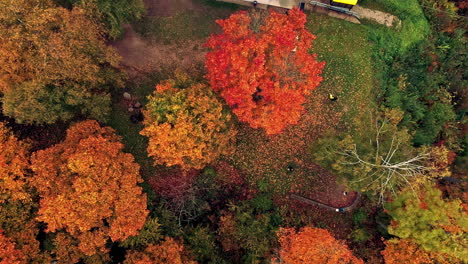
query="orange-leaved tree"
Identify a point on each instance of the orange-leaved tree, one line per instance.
(398, 251)
(313, 245)
(17, 209)
(14, 165)
(168, 251)
(262, 67)
(88, 189)
(187, 126)
(8, 253)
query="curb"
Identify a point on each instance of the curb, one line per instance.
(326, 206)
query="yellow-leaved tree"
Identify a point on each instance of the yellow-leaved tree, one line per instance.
(54, 63)
(187, 126)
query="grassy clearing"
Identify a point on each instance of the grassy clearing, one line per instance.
(414, 28)
(349, 71)
(135, 143)
(186, 25)
(349, 74)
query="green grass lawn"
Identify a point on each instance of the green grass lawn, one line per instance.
(135, 143)
(349, 71)
(414, 28)
(185, 25)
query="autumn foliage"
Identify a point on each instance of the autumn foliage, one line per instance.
(399, 251)
(313, 245)
(187, 126)
(168, 251)
(14, 164)
(429, 221)
(54, 63)
(8, 253)
(88, 187)
(262, 67)
(17, 219)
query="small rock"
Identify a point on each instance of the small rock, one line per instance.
(137, 105)
(127, 96)
(130, 109)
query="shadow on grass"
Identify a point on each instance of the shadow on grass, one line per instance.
(135, 143)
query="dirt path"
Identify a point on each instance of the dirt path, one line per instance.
(140, 56)
(377, 16)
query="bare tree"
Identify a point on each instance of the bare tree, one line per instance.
(384, 169)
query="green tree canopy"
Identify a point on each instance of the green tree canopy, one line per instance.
(377, 158)
(113, 13)
(430, 221)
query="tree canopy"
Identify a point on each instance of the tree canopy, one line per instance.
(113, 13)
(262, 67)
(8, 253)
(187, 126)
(54, 63)
(17, 208)
(379, 158)
(168, 251)
(14, 166)
(431, 222)
(88, 188)
(399, 251)
(313, 245)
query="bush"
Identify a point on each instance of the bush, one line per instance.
(262, 202)
(113, 13)
(360, 235)
(247, 233)
(203, 245)
(359, 217)
(414, 27)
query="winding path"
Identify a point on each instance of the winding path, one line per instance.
(326, 206)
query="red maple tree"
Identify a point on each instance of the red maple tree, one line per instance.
(262, 67)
